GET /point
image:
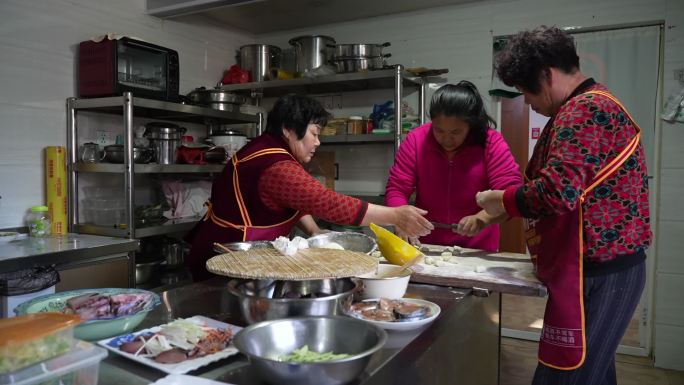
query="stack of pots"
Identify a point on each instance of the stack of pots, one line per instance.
(218, 99)
(164, 138)
(312, 51)
(259, 59)
(359, 57)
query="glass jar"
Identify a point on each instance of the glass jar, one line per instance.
(38, 221)
(355, 125)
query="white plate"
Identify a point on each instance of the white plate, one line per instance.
(184, 379)
(404, 325)
(185, 366)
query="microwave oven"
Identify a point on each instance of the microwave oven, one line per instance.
(112, 67)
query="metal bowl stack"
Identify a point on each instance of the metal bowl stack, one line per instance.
(267, 342)
(359, 57)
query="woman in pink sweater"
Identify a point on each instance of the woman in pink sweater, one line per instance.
(447, 161)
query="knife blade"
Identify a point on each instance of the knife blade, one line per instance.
(453, 226)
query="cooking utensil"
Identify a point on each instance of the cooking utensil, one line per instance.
(217, 99)
(453, 227)
(311, 51)
(380, 285)
(400, 270)
(258, 59)
(360, 63)
(393, 248)
(173, 252)
(348, 240)
(114, 153)
(241, 246)
(262, 300)
(265, 342)
(165, 139)
(367, 50)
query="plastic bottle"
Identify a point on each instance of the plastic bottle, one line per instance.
(38, 221)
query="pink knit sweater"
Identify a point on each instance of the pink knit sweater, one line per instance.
(446, 188)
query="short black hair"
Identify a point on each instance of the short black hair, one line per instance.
(463, 101)
(295, 112)
(528, 54)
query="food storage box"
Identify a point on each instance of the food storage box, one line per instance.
(28, 339)
(79, 366)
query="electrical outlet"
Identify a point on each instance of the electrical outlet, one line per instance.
(679, 75)
(103, 136)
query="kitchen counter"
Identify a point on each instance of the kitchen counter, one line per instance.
(462, 343)
(65, 252)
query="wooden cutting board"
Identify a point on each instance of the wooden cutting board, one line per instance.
(306, 264)
(509, 273)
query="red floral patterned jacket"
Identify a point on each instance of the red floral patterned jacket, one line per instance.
(589, 131)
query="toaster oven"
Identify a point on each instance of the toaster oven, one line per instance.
(112, 67)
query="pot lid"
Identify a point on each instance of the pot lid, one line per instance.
(294, 40)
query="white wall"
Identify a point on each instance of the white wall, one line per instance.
(460, 38)
(38, 41)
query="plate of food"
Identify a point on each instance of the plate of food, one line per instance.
(396, 314)
(105, 312)
(179, 346)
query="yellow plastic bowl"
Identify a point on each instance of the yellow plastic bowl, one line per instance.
(393, 248)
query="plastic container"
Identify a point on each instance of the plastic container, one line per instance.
(355, 125)
(38, 221)
(79, 366)
(28, 339)
(105, 216)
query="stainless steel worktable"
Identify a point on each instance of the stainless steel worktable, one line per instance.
(66, 252)
(460, 347)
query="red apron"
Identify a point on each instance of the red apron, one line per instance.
(556, 248)
(251, 232)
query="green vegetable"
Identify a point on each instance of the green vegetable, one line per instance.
(13, 358)
(303, 354)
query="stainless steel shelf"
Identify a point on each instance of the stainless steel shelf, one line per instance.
(355, 139)
(157, 109)
(355, 81)
(150, 168)
(170, 226)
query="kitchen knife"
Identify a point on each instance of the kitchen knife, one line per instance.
(453, 226)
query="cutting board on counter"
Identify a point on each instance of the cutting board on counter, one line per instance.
(509, 273)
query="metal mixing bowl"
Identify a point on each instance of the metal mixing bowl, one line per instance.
(349, 240)
(262, 300)
(264, 343)
(244, 246)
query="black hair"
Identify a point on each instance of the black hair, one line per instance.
(295, 112)
(529, 54)
(463, 101)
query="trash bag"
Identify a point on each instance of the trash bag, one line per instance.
(28, 281)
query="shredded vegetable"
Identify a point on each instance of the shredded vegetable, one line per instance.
(303, 354)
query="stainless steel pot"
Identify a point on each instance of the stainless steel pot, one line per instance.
(312, 51)
(144, 271)
(366, 50)
(173, 252)
(258, 59)
(355, 64)
(217, 99)
(164, 139)
(261, 301)
(115, 154)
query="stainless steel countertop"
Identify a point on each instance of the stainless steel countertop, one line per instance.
(63, 251)
(465, 321)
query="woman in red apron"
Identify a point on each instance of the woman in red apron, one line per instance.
(264, 191)
(586, 201)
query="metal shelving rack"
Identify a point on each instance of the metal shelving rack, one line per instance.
(129, 106)
(394, 78)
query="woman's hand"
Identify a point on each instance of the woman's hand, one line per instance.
(491, 201)
(411, 223)
(471, 225)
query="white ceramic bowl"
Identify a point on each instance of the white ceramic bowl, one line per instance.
(391, 287)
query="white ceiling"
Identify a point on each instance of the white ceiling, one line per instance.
(265, 16)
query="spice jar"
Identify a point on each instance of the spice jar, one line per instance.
(355, 125)
(38, 221)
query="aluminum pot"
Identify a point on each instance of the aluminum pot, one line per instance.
(115, 154)
(262, 300)
(312, 51)
(258, 59)
(366, 50)
(217, 99)
(355, 64)
(164, 139)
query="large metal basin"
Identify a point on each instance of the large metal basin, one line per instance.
(262, 300)
(264, 343)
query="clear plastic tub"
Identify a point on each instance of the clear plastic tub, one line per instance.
(32, 338)
(105, 216)
(79, 366)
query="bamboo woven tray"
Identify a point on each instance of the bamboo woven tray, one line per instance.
(306, 264)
